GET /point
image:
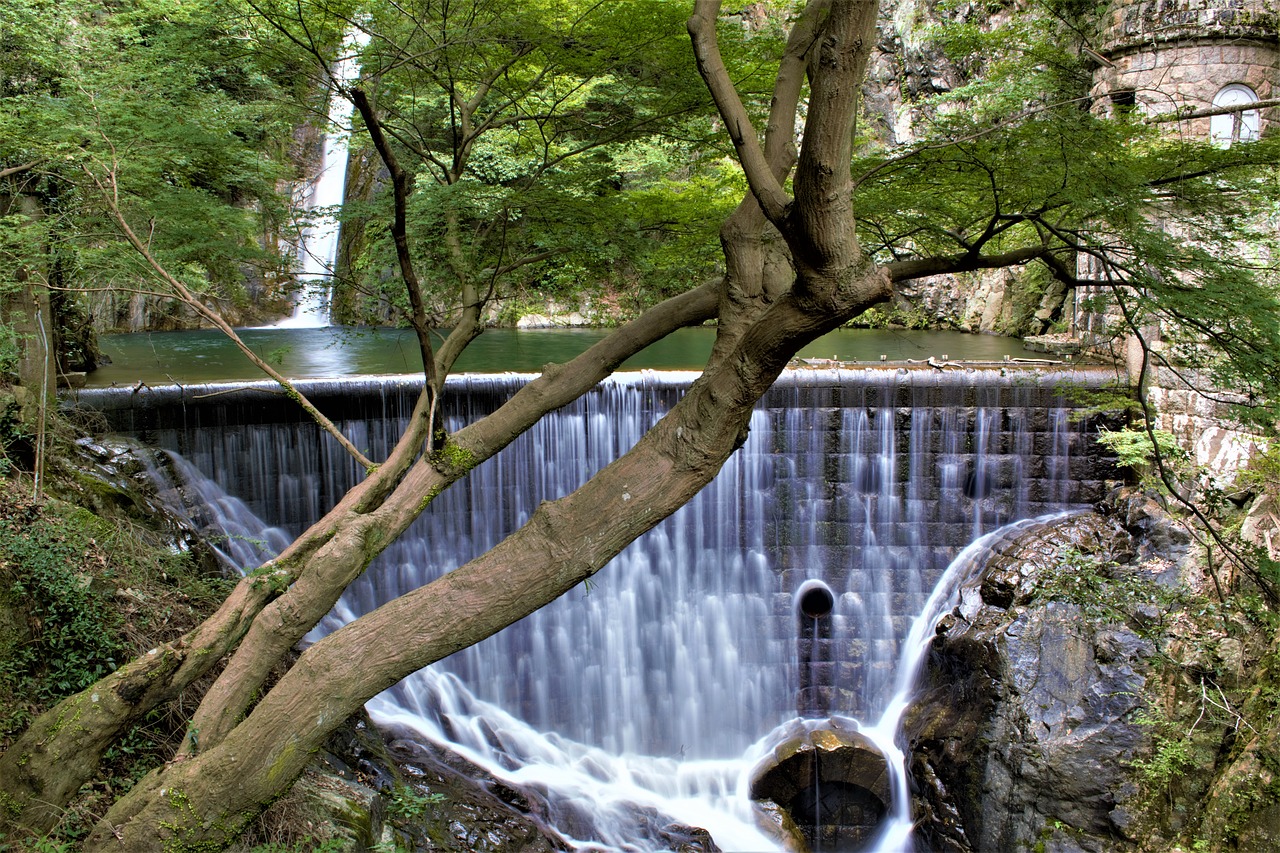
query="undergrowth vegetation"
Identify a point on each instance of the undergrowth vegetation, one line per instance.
(79, 595)
(60, 631)
(1210, 770)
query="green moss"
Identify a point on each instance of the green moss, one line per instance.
(188, 827)
(51, 579)
(452, 459)
(280, 767)
(11, 807)
(272, 577)
(431, 495)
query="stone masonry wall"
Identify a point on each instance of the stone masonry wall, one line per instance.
(878, 519)
(1167, 77)
(1204, 426)
(1177, 54)
(869, 480)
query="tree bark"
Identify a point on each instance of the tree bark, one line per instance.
(61, 749)
(210, 796)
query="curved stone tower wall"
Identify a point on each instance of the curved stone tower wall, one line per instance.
(1178, 54)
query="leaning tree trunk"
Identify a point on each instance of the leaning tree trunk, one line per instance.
(210, 796)
(61, 749)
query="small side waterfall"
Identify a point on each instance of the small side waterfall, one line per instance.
(318, 244)
(650, 696)
(895, 832)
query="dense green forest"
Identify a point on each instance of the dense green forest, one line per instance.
(671, 163)
(549, 151)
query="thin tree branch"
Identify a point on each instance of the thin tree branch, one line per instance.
(18, 170)
(402, 186)
(110, 192)
(765, 186)
(924, 267)
(1209, 112)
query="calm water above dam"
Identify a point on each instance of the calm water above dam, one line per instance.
(207, 355)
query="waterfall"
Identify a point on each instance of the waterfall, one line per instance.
(659, 686)
(895, 831)
(318, 244)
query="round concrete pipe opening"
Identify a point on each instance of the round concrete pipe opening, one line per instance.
(815, 599)
(979, 484)
(827, 786)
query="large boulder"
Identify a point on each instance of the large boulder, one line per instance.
(1026, 732)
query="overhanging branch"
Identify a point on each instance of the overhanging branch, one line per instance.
(1210, 112)
(924, 267)
(110, 195)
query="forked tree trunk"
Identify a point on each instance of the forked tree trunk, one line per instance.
(209, 797)
(767, 313)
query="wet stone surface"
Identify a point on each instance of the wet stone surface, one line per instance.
(826, 784)
(1027, 718)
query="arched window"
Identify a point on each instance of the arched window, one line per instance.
(1230, 128)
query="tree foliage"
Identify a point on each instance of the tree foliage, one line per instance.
(534, 147)
(167, 106)
(554, 148)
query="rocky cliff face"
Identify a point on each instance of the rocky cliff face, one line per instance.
(1083, 698)
(908, 68)
(1028, 727)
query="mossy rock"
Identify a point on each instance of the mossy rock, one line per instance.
(1242, 810)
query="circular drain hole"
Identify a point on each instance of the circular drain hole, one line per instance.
(815, 599)
(978, 485)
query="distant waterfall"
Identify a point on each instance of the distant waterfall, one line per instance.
(317, 248)
(657, 687)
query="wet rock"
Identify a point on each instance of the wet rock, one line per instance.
(1016, 566)
(831, 782)
(472, 810)
(371, 789)
(1146, 518)
(475, 811)
(687, 839)
(1025, 734)
(778, 824)
(112, 477)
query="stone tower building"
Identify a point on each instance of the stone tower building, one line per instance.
(1191, 57)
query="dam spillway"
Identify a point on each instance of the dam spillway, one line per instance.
(687, 648)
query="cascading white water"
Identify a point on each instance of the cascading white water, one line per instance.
(659, 687)
(317, 247)
(895, 832)
(239, 537)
